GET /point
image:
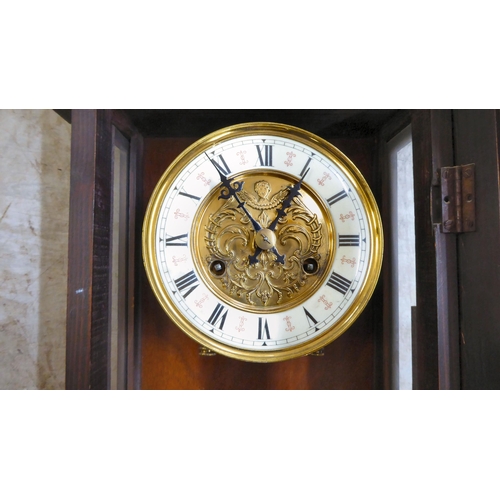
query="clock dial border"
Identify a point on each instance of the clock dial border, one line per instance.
(363, 194)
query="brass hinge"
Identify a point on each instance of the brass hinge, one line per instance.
(453, 199)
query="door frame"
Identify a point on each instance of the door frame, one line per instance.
(89, 250)
(436, 358)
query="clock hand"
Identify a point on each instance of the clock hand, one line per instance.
(253, 259)
(294, 191)
(233, 189)
(229, 190)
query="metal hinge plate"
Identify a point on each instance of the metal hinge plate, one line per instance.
(453, 199)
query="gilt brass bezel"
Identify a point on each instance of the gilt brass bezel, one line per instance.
(349, 170)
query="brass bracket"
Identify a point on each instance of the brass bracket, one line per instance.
(205, 351)
(320, 352)
(453, 199)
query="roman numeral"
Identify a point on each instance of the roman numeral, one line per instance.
(303, 172)
(348, 240)
(187, 195)
(186, 281)
(218, 317)
(339, 283)
(222, 166)
(176, 241)
(336, 197)
(263, 331)
(310, 318)
(265, 155)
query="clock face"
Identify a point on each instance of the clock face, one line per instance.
(262, 242)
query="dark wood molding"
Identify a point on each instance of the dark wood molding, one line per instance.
(435, 342)
(89, 250)
(90, 240)
(135, 217)
(425, 344)
(446, 263)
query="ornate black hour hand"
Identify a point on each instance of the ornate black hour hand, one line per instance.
(232, 189)
(228, 189)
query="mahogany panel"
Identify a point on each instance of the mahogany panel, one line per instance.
(477, 135)
(170, 359)
(89, 250)
(80, 252)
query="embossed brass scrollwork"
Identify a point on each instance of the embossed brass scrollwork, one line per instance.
(228, 240)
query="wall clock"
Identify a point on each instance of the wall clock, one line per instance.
(262, 242)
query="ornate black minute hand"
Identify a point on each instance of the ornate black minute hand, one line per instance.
(294, 192)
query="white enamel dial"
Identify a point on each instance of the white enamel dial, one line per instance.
(265, 311)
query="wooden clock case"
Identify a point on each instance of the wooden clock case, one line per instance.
(448, 351)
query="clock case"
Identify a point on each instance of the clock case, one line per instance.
(153, 353)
